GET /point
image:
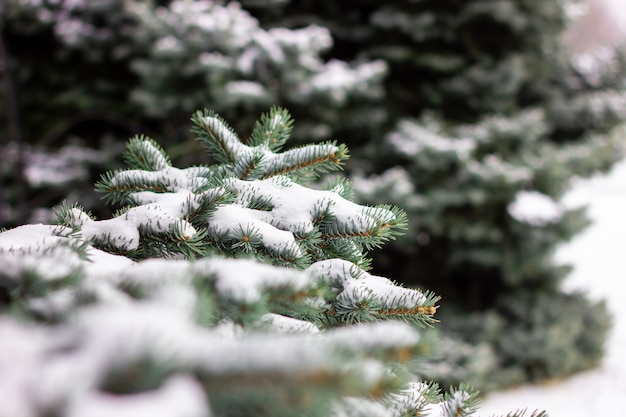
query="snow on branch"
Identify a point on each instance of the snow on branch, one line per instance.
(362, 297)
(261, 160)
(250, 203)
(218, 325)
(113, 336)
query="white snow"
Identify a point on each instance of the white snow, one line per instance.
(246, 280)
(19, 358)
(103, 263)
(411, 139)
(33, 238)
(67, 164)
(246, 90)
(117, 231)
(493, 168)
(294, 209)
(232, 217)
(37, 248)
(227, 138)
(158, 212)
(283, 324)
(412, 397)
(179, 396)
(375, 335)
(358, 286)
(175, 179)
(338, 79)
(294, 205)
(168, 45)
(598, 258)
(535, 208)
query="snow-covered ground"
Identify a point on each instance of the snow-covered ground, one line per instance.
(599, 258)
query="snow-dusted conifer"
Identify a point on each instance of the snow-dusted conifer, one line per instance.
(208, 324)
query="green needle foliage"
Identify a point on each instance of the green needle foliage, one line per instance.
(258, 182)
(176, 306)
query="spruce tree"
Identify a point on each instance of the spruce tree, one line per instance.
(488, 120)
(230, 289)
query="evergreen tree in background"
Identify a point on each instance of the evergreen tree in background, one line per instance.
(230, 289)
(488, 120)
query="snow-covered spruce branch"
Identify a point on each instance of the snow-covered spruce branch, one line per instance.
(259, 159)
(250, 203)
(214, 318)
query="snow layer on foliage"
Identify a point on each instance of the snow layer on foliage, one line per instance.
(228, 139)
(168, 46)
(230, 218)
(246, 280)
(526, 126)
(240, 280)
(103, 264)
(39, 369)
(338, 79)
(231, 22)
(118, 232)
(282, 324)
(394, 184)
(174, 179)
(270, 48)
(284, 354)
(49, 251)
(179, 396)
(412, 139)
(29, 242)
(451, 407)
(294, 205)
(157, 213)
(493, 169)
(21, 355)
(216, 60)
(396, 178)
(294, 209)
(358, 285)
(313, 39)
(279, 162)
(126, 334)
(67, 164)
(47, 266)
(248, 90)
(35, 238)
(535, 208)
(413, 397)
(377, 335)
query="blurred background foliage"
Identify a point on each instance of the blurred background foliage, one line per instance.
(473, 116)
